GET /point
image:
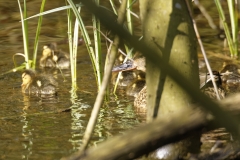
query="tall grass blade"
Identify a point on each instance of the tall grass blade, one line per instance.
(98, 53)
(225, 26)
(234, 25)
(25, 32)
(37, 35)
(52, 11)
(129, 17)
(74, 55)
(85, 36)
(70, 42)
(113, 6)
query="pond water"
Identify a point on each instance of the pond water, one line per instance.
(33, 128)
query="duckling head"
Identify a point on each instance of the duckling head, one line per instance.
(206, 81)
(46, 56)
(27, 78)
(47, 52)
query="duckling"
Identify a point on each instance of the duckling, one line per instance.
(127, 77)
(138, 88)
(38, 84)
(62, 60)
(231, 77)
(206, 85)
(231, 73)
(135, 87)
(52, 57)
(47, 57)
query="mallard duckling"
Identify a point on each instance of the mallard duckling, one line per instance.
(62, 59)
(140, 90)
(207, 86)
(127, 77)
(47, 57)
(231, 77)
(38, 84)
(231, 73)
(52, 57)
(135, 87)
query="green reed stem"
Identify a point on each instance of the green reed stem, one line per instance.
(37, 35)
(25, 32)
(72, 61)
(98, 53)
(85, 36)
(129, 24)
(74, 55)
(129, 17)
(69, 15)
(113, 6)
(234, 24)
(73, 43)
(233, 52)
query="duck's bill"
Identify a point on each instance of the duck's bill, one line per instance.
(124, 67)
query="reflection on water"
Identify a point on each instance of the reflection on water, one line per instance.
(26, 131)
(27, 135)
(76, 125)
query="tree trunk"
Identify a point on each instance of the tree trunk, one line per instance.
(168, 29)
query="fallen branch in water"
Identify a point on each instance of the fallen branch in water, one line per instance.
(151, 136)
(144, 139)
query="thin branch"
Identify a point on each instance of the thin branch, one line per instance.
(203, 50)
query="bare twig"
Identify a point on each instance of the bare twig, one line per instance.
(203, 50)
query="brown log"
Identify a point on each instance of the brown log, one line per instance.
(144, 139)
(149, 137)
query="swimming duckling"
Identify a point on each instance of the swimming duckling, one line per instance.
(231, 77)
(38, 84)
(47, 57)
(139, 85)
(52, 57)
(231, 73)
(62, 59)
(127, 77)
